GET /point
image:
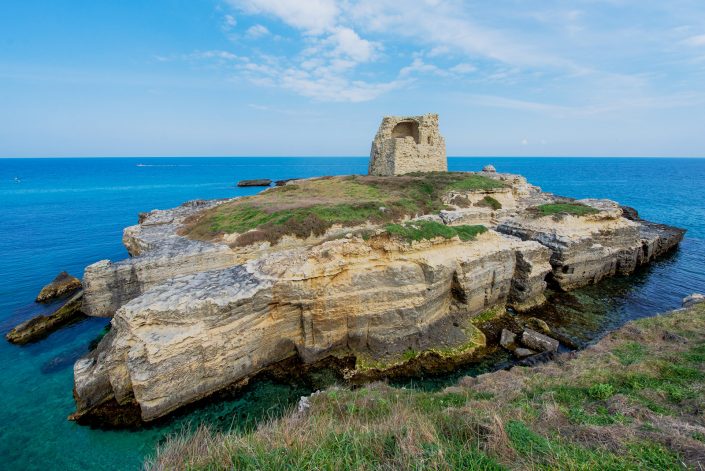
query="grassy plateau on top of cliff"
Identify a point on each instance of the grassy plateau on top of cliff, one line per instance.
(633, 401)
(310, 207)
(573, 208)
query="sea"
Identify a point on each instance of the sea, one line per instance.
(65, 213)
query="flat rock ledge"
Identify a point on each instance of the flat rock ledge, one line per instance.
(41, 326)
(191, 318)
(257, 182)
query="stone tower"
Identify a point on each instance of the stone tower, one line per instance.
(406, 144)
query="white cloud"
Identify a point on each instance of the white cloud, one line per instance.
(229, 22)
(463, 68)
(312, 16)
(418, 66)
(347, 42)
(257, 31)
(696, 40)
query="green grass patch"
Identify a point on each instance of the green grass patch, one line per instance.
(601, 391)
(575, 209)
(426, 230)
(630, 353)
(489, 202)
(310, 207)
(475, 182)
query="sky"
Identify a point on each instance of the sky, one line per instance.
(315, 77)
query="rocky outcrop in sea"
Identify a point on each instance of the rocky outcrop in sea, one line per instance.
(194, 315)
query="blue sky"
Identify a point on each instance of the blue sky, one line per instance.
(314, 77)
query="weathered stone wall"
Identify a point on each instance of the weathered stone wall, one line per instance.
(406, 144)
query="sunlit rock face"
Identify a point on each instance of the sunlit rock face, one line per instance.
(192, 317)
(198, 333)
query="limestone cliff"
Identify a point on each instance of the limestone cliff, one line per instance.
(194, 316)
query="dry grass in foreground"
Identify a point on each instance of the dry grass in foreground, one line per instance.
(636, 400)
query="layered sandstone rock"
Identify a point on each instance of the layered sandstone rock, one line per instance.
(586, 249)
(198, 333)
(193, 317)
(158, 254)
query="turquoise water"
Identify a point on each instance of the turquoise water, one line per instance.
(63, 214)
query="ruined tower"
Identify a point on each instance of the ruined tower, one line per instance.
(406, 144)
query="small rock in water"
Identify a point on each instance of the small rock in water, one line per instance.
(489, 169)
(257, 182)
(523, 352)
(62, 285)
(539, 342)
(41, 326)
(693, 299)
(508, 339)
(538, 325)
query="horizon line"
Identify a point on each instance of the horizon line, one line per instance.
(350, 157)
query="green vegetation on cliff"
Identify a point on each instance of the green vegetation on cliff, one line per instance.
(426, 230)
(576, 209)
(310, 207)
(633, 401)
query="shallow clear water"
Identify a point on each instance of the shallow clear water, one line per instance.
(63, 214)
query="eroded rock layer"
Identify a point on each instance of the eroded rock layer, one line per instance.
(192, 317)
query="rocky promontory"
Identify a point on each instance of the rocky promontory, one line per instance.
(382, 270)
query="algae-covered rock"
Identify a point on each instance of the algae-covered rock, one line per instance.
(41, 326)
(63, 285)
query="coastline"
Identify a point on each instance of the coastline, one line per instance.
(78, 190)
(624, 401)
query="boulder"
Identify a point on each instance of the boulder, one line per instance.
(63, 285)
(693, 299)
(284, 182)
(489, 169)
(41, 326)
(508, 339)
(539, 342)
(256, 182)
(538, 325)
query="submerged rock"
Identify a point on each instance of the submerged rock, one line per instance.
(41, 326)
(523, 352)
(257, 182)
(63, 285)
(538, 325)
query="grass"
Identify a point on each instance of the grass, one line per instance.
(310, 207)
(490, 202)
(575, 209)
(427, 230)
(632, 401)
